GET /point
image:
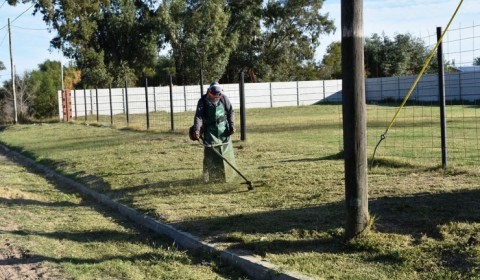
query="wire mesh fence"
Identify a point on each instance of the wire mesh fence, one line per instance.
(417, 132)
(172, 108)
(414, 137)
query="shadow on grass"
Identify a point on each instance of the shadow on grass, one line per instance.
(25, 202)
(134, 235)
(145, 257)
(337, 156)
(161, 252)
(421, 214)
(416, 215)
(389, 163)
(82, 236)
(100, 236)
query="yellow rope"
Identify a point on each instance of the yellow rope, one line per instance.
(432, 53)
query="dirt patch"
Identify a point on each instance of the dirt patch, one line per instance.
(18, 263)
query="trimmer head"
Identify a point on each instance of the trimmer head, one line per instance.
(249, 185)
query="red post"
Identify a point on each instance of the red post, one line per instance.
(67, 105)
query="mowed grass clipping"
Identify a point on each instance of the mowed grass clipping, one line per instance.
(426, 221)
(51, 233)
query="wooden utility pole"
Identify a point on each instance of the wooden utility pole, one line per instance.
(61, 68)
(354, 118)
(13, 74)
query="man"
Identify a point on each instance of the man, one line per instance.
(213, 124)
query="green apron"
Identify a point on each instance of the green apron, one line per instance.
(216, 133)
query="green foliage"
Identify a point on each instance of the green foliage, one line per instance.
(111, 40)
(331, 67)
(197, 33)
(164, 68)
(310, 71)
(43, 85)
(2, 66)
(404, 55)
(128, 34)
(36, 93)
(476, 61)
(94, 72)
(245, 19)
(292, 32)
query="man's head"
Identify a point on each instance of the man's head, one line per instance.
(215, 91)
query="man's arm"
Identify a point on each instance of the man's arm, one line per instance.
(230, 112)
(198, 120)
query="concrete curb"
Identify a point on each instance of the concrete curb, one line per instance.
(251, 265)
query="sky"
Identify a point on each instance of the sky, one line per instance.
(417, 17)
(31, 38)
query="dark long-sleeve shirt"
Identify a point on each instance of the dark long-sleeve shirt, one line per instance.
(199, 114)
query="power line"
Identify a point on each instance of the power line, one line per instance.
(27, 28)
(3, 39)
(22, 13)
(3, 4)
(18, 16)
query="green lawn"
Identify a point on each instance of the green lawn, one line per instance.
(49, 232)
(426, 220)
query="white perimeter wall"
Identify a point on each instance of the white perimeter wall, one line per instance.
(458, 86)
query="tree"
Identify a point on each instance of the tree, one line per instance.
(198, 35)
(128, 34)
(164, 68)
(245, 19)
(37, 90)
(2, 66)
(116, 40)
(24, 99)
(476, 61)
(292, 31)
(76, 23)
(404, 55)
(71, 77)
(108, 39)
(331, 67)
(279, 38)
(44, 84)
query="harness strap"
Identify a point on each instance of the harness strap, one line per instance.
(219, 120)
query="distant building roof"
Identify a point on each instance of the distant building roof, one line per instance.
(466, 68)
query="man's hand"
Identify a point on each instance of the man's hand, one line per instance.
(193, 134)
(232, 130)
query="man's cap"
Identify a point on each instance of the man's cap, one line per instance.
(216, 90)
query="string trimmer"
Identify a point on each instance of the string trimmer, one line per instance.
(247, 182)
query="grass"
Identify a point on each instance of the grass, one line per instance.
(424, 216)
(53, 226)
